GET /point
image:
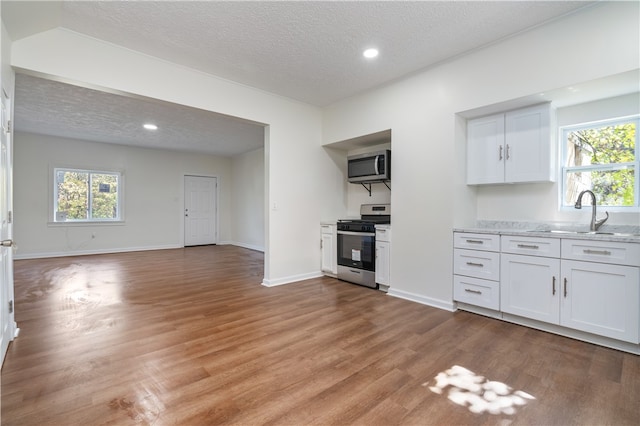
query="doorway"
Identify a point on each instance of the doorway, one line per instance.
(200, 210)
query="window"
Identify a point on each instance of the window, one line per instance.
(602, 157)
(86, 195)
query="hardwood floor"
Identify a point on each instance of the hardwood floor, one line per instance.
(190, 337)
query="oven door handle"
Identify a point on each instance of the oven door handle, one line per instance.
(359, 234)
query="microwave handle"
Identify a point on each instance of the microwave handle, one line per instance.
(376, 164)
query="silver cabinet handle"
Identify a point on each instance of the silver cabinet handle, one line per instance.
(500, 153)
(475, 264)
(602, 252)
(468, 290)
(475, 241)
(565, 288)
(507, 152)
(528, 246)
(553, 285)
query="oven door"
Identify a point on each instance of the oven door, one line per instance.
(357, 250)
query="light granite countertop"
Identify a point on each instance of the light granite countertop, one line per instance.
(620, 233)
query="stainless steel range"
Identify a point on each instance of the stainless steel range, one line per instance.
(357, 244)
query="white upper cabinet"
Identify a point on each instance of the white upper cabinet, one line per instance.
(485, 150)
(516, 146)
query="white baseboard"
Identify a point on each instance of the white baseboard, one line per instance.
(18, 256)
(291, 279)
(436, 303)
(247, 246)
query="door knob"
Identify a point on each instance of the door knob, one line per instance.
(6, 243)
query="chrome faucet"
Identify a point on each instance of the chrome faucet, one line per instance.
(595, 224)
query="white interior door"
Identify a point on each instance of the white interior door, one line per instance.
(200, 205)
(8, 328)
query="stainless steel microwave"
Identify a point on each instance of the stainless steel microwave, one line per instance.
(369, 167)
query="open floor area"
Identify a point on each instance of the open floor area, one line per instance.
(191, 337)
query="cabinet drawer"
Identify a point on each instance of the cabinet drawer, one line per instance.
(602, 251)
(532, 246)
(465, 240)
(476, 263)
(476, 292)
(383, 233)
(327, 229)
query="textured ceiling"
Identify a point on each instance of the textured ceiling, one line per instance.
(58, 109)
(308, 51)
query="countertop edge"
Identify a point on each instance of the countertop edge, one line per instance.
(547, 234)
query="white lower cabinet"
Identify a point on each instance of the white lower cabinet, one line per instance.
(529, 287)
(382, 262)
(328, 246)
(383, 256)
(476, 268)
(589, 286)
(600, 298)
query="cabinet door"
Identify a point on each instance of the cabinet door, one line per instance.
(601, 299)
(485, 150)
(530, 286)
(528, 145)
(382, 262)
(329, 260)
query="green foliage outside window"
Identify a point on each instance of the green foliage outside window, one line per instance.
(602, 159)
(84, 195)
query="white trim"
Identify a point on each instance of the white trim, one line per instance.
(553, 328)
(120, 173)
(436, 303)
(121, 250)
(89, 252)
(291, 279)
(563, 169)
(573, 334)
(244, 245)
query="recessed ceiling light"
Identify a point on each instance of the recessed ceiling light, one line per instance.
(150, 126)
(370, 53)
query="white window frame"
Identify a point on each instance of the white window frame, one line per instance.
(564, 169)
(54, 203)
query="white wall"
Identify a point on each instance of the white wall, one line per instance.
(299, 173)
(429, 196)
(153, 190)
(247, 195)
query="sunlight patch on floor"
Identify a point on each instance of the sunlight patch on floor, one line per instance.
(477, 393)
